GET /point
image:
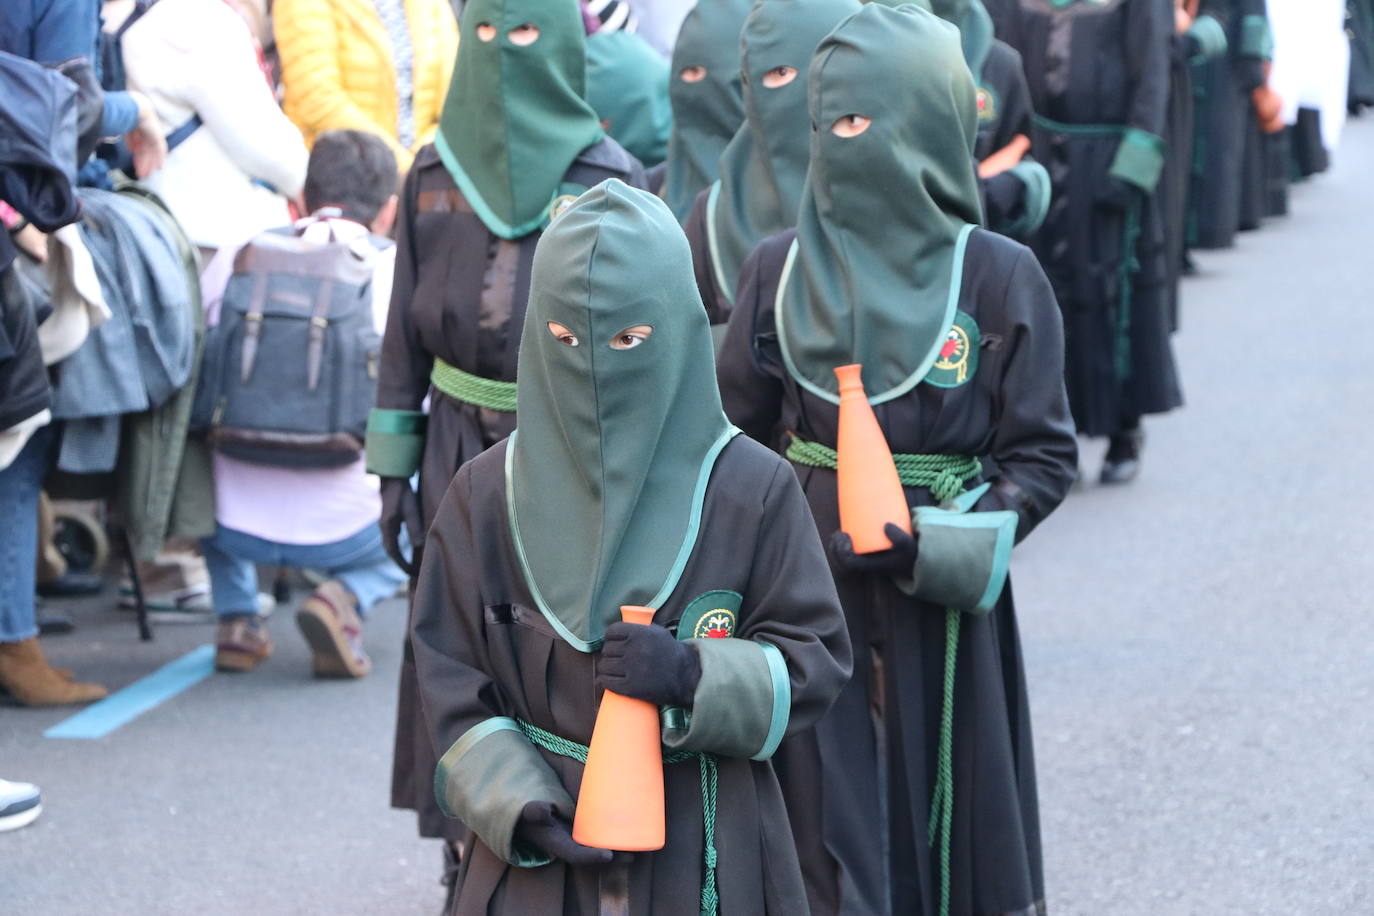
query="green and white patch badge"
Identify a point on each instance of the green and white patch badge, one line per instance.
(714, 615)
(989, 106)
(567, 193)
(958, 359)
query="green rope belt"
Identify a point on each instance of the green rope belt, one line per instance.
(473, 389)
(945, 475)
(1078, 130)
(710, 899)
(942, 801)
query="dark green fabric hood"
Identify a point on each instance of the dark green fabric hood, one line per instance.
(975, 26)
(516, 117)
(627, 86)
(764, 167)
(607, 472)
(706, 113)
(875, 273)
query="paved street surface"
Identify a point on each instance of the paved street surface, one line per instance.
(1201, 652)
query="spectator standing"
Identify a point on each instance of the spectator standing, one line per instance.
(241, 158)
(376, 65)
(331, 524)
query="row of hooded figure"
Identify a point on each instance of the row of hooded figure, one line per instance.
(617, 388)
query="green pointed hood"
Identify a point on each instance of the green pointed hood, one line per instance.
(764, 167)
(975, 26)
(874, 275)
(607, 473)
(706, 113)
(516, 117)
(627, 86)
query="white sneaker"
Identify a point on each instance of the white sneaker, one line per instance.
(188, 605)
(20, 804)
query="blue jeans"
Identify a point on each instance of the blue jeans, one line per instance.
(359, 562)
(20, 484)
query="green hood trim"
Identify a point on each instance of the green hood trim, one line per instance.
(608, 472)
(882, 293)
(706, 113)
(627, 86)
(763, 168)
(516, 117)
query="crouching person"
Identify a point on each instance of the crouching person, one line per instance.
(624, 484)
(290, 372)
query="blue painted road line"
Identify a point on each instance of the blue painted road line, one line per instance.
(123, 707)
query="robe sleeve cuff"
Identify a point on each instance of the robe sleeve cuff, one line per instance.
(1255, 38)
(1139, 159)
(488, 776)
(742, 702)
(1035, 200)
(395, 442)
(1210, 38)
(963, 558)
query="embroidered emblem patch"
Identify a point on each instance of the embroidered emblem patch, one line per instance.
(713, 615)
(560, 203)
(988, 105)
(958, 358)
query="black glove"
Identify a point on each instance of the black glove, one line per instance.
(898, 560)
(540, 826)
(401, 506)
(648, 663)
(1118, 194)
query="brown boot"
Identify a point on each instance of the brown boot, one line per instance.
(241, 643)
(330, 623)
(26, 674)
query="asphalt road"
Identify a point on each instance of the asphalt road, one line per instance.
(1200, 644)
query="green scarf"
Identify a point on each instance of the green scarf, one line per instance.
(627, 86)
(607, 473)
(875, 273)
(515, 117)
(764, 166)
(706, 113)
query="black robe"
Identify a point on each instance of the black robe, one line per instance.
(483, 651)
(717, 301)
(1227, 132)
(1004, 111)
(863, 850)
(1178, 169)
(1360, 24)
(459, 293)
(1101, 68)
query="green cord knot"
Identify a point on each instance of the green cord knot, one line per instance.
(944, 475)
(710, 899)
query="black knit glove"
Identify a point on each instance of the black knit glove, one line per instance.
(540, 826)
(1118, 194)
(401, 506)
(648, 663)
(898, 560)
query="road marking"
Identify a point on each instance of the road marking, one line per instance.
(123, 707)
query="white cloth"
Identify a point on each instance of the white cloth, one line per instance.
(660, 21)
(13, 440)
(1312, 62)
(290, 505)
(78, 305)
(197, 57)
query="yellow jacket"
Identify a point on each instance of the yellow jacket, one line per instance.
(337, 68)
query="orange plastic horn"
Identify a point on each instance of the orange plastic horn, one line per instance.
(871, 493)
(620, 805)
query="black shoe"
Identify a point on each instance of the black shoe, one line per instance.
(72, 585)
(54, 624)
(1123, 457)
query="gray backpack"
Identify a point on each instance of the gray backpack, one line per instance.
(290, 371)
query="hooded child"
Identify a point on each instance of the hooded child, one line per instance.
(517, 141)
(708, 106)
(916, 793)
(764, 166)
(516, 630)
(1015, 188)
(1099, 78)
(627, 86)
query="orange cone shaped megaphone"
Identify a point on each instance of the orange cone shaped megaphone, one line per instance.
(871, 493)
(620, 805)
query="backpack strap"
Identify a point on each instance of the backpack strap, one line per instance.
(314, 353)
(183, 133)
